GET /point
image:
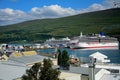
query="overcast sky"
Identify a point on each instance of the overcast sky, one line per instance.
(14, 11)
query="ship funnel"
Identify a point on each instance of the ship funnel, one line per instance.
(81, 34)
(102, 34)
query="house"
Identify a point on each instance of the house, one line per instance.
(86, 72)
(17, 63)
(27, 57)
(100, 58)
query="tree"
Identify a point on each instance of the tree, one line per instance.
(47, 72)
(65, 60)
(32, 73)
(39, 72)
(59, 57)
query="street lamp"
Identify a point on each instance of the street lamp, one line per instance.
(91, 68)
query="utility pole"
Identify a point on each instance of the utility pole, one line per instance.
(92, 68)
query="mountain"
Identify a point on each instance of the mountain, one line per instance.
(107, 21)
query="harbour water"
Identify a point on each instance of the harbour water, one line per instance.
(83, 55)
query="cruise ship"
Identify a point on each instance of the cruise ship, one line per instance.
(94, 41)
(57, 42)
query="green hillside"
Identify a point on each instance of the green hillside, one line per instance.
(40, 30)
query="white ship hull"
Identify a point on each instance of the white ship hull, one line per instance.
(94, 45)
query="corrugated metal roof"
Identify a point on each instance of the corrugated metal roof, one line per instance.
(82, 70)
(65, 75)
(9, 71)
(27, 59)
(111, 77)
(15, 67)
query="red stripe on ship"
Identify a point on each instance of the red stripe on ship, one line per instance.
(100, 47)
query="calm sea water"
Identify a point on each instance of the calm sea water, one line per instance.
(83, 55)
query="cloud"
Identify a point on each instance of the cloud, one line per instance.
(110, 3)
(10, 16)
(52, 11)
(93, 7)
(96, 7)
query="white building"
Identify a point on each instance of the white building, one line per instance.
(100, 58)
(85, 73)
